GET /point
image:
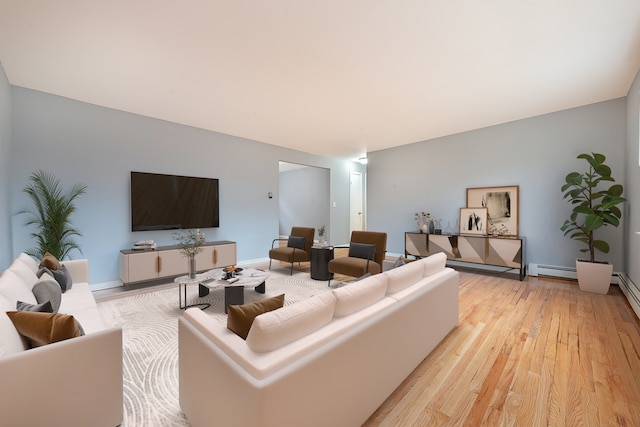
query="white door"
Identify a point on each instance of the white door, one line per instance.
(356, 206)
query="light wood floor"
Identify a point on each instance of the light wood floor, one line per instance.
(531, 353)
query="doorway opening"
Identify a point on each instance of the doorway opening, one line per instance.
(303, 197)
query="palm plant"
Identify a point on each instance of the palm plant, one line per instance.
(50, 215)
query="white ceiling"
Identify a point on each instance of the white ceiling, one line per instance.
(331, 77)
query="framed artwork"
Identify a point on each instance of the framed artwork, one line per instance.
(502, 208)
(473, 221)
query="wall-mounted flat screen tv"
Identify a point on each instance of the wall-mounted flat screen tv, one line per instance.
(166, 202)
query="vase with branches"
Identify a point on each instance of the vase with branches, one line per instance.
(51, 215)
(321, 235)
(190, 244)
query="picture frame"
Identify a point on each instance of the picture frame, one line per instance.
(502, 205)
(473, 221)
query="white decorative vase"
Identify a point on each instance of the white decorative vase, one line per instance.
(594, 276)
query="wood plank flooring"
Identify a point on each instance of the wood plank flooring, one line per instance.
(534, 353)
(531, 353)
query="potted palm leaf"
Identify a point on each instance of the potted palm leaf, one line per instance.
(50, 215)
(595, 205)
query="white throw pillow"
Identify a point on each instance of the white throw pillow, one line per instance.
(29, 278)
(28, 261)
(276, 328)
(12, 287)
(355, 296)
(404, 276)
(10, 340)
(434, 263)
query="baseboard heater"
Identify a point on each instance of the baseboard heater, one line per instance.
(559, 271)
(631, 291)
(552, 271)
(628, 287)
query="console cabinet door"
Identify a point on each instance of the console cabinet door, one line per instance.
(224, 255)
(172, 263)
(141, 266)
(204, 260)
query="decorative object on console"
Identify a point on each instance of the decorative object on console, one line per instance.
(145, 245)
(593, 208)
(502, 208)
(425, 222)
(190, 244)
(321, 235)
(50, 215)
(473, 221)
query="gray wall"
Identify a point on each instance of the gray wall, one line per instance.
(534, 153)
(304, 199)
(632, 188)
(97, 146)
(5, 162)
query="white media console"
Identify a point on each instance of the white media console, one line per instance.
(167, 261)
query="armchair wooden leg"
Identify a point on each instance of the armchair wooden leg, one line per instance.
(270, 263)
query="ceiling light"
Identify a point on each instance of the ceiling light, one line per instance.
(363, 160)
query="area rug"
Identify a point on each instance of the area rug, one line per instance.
(149, 319)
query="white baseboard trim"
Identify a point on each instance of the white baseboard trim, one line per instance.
(106, 285)
(252, 261)
(485, 267)
(631, 291)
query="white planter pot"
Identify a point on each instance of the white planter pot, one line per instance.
(594, 276)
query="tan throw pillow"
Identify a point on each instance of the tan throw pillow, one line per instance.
(240, 317)
(50, 262)
(45, 328)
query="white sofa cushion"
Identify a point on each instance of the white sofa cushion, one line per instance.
(12, 287)
(28, 261)
(434, 263)
(79, 302)
(404, 276)
(279, 327)
(10, 340)
(355, 296)
(28, 277)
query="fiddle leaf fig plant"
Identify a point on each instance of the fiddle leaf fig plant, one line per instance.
(593, 206)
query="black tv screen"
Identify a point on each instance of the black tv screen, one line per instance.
(165, 202)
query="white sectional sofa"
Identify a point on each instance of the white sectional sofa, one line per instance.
(75, 382)
(330, 360)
